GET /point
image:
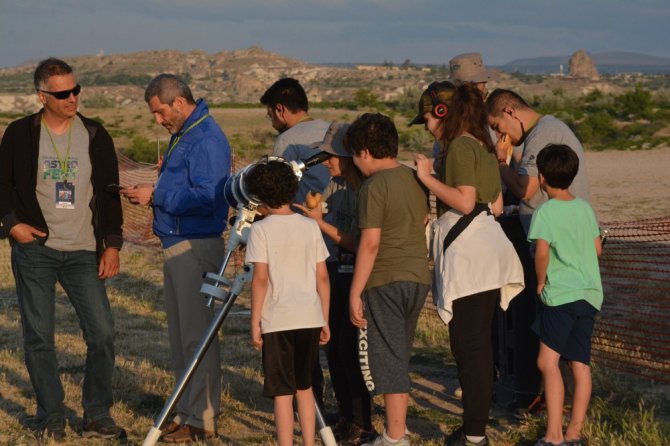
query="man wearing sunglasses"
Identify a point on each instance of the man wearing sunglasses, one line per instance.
(63, 226)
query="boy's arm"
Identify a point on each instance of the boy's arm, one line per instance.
(259, 286)
(365, 260)
(541, 263)
(323, 288)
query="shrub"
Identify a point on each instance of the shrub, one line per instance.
(141, 150)
(597, 128)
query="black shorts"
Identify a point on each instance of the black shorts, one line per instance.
(567, 329)
(288, 359)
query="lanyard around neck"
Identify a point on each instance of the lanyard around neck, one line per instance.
(63, 162)
(178, 138)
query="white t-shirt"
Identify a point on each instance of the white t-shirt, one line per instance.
(291, 245)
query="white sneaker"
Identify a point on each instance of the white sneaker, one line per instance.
(382, 441)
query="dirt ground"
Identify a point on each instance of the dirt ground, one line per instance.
(629, 185)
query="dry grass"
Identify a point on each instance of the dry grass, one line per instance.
(142, 378)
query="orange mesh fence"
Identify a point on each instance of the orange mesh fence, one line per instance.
(137, 220)
(632, 334)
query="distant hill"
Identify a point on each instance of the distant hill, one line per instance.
(242, 75)
(607, 63)
(239, 76)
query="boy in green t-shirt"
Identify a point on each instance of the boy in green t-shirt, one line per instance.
(567, 239)
(391, 275)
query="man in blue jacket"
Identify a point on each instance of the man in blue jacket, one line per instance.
(190, 215)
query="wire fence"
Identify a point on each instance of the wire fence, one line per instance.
(632, 334)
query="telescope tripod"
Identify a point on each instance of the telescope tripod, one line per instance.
(219, 289)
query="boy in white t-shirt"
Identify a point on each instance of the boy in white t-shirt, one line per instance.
(290, 296)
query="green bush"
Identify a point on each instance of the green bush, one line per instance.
(415, 140)
(635, 104)
(141, 150)
(99, 100)
(597, 128)
(365, 98)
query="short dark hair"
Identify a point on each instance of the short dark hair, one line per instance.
(47, 68)
(287, 92)
(374, 132)
(499, 99)
(273, 183)
(167, 87)
(558, 164)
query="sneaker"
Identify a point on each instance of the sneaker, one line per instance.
(341, 428)
(53, 429)
(103, 428)
(458, 393)
(356, 436)
(458, 438)
(382, 441)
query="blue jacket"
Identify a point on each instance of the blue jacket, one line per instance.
(188, 197)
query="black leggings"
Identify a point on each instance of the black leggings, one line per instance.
(353, 398)
(470, 339)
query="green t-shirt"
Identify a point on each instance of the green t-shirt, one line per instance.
(570, 228)
(468, 163)
(394, 201)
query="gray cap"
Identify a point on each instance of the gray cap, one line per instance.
(468, 67)
(333, 142)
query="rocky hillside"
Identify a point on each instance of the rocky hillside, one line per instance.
(241, 76)
(227, 76)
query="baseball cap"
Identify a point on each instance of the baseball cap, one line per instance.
(333, 142)
(468, 67)
(436, 93)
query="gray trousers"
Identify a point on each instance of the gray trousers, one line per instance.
(188, 319)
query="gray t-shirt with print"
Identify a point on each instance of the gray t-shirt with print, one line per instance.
(549, 130)
(65, 197)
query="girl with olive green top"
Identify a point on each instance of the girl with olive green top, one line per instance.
(480, 267)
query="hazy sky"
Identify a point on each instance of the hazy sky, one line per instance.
(424, 31)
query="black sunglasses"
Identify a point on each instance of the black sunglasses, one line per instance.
(65, 93)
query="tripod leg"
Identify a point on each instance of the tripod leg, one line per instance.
(325, 431)
(212, 331)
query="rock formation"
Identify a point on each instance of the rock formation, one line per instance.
(582, 66)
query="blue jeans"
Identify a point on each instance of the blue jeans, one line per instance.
(36, 269)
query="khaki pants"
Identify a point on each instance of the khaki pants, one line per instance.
(188, 319)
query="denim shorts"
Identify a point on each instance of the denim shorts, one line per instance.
(567, 329)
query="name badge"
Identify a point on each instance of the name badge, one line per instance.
(64, 195)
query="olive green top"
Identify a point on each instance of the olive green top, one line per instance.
(469, 163)
(394, 201)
